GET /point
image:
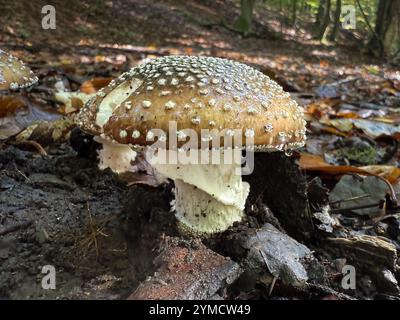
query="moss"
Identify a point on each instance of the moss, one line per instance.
(360, 154)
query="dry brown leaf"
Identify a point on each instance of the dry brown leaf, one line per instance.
(9, 104)
(343, 125)
(324, 63)
(349, 115)
(47, 132)
(334, 131)
(18, 114)
(72, 101)
(322, 107)
(391, 173)
(312, 162)
(95, 84)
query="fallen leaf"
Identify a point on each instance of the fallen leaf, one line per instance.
(344, 125)
(72, 101)
(21, 115)
(309, 161)
(347, 114)
(323, 63)
(9, 104)
(322, 107)
(312, 162)
(352, 192)
(333, 131)
(47, 132)
(100, 58)
(371, 128)
(373, 69)
(391, 173)
(375, 128)
(95, 84)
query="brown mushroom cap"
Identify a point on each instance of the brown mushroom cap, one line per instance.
(14, 74)
(198, 93)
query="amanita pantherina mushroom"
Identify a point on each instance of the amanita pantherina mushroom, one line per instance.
(196, 93)
(14, 74)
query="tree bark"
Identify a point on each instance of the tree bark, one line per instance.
(386, 39)
(294, 12)
(323, 18)
(320, 13)
(303, 7)
(336, 21)
(244, 22)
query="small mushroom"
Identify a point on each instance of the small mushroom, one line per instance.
(14, 74)
(196, 93)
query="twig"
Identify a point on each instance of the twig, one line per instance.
(272, 286)
(351, 199)
(15, 227)
(326, 290)
(95, 231)
(22, 174)
(343, 81)
(34, 144)
(365, 206)
(93, 234)
(379, 219)
(126, 49)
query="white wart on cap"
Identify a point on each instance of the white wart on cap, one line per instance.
(198, 93)
(14, 74)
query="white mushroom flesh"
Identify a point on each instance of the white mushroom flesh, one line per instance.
(114, 99)
(209, 197)
(118, 157)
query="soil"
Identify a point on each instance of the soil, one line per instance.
(72, 206)
(99, 234)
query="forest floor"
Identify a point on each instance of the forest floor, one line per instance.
(65, 212)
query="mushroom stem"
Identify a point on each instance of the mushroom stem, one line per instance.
(118, 157)
(200, 213)
(209, 198)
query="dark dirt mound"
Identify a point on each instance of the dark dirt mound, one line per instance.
(73, 208)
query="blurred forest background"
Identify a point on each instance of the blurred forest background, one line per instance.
(371, 24)
(376, 22)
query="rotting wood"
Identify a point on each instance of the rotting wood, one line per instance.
(187, 271)
(367, 250)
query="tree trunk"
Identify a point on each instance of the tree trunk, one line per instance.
(294, 11)
(386, 39)
(303, 7)
(323, 18)
(320, 13)
(336, 22)
(244, 22)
